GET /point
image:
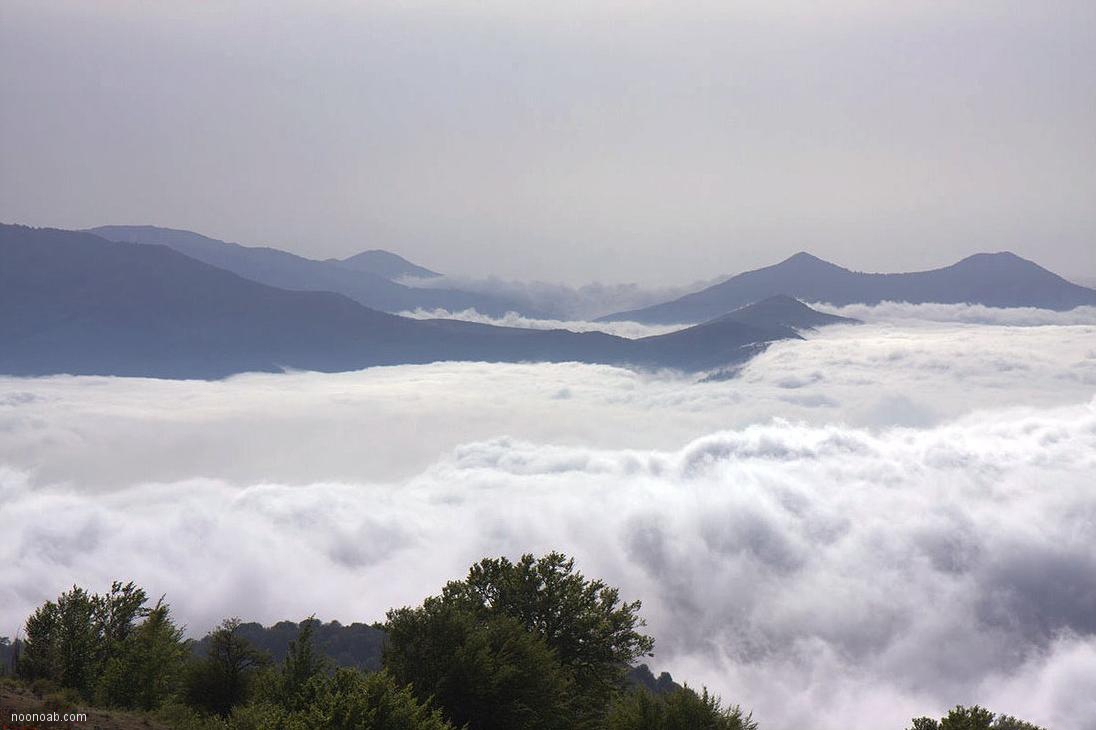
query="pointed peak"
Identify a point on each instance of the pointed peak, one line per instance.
(803, 256)
(805, 260)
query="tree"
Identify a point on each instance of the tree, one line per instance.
(62, 644)
(972, 718)
(302, 663)
(345, 700)
(8, 652)
(115, 615)
(681, 709)
(70, 641)
(350, 700)
(488, 673)
(146, 668)
(584, 621)
(288, 686)
(223, 678)
(465, 644)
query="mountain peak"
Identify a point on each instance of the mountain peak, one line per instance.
(776, 303)
(804, 260)
(995, 256)
(802, 256)
(784, 311)
(386, 264)
(999, 261)
(1000, 279)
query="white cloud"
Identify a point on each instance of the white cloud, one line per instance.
(631, 330)
(392, 423)
(877, 522)
(793, 568)
(964, 313)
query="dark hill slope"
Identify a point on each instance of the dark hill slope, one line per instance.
(76, 303)
(994, 280)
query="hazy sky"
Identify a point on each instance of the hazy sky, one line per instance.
(572, 141)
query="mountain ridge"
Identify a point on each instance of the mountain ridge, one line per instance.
(286, 270)
(1000, 279)
(75, 303)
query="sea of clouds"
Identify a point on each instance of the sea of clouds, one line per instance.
(909, 315)
(568, 303)
(631, 330)
(877, 522)
(965, 313)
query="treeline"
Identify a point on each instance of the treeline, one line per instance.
(354, 645)
(531, 644)
(361, 646)
(525, 644)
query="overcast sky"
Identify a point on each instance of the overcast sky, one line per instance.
(571, 141)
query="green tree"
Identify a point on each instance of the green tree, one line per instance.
(350, 700)
(7, 656)
(681, 709)
(1007, 722)
(488, 673)
(71, 640)
(288, 686)
(345, 700)
(61, 642)
(224, 678)
(146, 669)
(302, 663)
(584, 621)
(465, 645)
(115, 614)
(972, 718)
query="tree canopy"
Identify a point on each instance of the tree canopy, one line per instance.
(112, 647)
(533, 642)
(972, 718)
(679, 709)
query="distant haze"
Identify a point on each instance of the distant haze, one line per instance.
(613, 141)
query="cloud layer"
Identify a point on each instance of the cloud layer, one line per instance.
(814, 573)
(392, 423)
(911, 314)
(631, 330)
(877, 522)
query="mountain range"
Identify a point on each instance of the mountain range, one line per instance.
(73, 302)
(145, 301)
(990, 279)
(368, 278)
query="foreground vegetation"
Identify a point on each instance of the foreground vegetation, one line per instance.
(531, 644)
